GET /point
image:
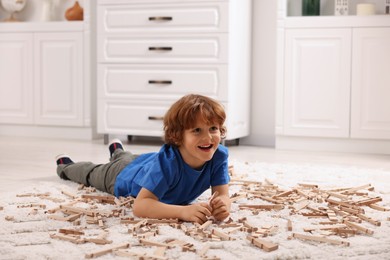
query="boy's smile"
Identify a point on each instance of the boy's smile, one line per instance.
(199, 144)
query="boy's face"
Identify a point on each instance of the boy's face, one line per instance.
(199, 144)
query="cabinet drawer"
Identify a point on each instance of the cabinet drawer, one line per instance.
(193, 48)
(168, 82)
(179, 17)
(132, 117)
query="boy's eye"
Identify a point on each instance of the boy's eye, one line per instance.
(196, 130)
(214, 129)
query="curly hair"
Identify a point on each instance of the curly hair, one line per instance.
(183, 115)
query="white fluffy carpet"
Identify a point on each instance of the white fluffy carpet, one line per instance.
(25, 231)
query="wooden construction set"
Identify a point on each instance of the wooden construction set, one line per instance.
(341, 213)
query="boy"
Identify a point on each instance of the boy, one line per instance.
(165, 183)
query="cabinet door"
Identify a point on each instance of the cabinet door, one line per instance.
(317, 82)
(58, 79)
(370, 115)
(16, 88)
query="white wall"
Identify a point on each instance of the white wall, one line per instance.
(263, 74)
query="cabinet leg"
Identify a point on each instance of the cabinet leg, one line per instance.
(106, 138)
(236, 142)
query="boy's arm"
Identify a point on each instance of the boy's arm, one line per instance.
(221, 203)
(147, 205)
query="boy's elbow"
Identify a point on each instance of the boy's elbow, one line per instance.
(137, 209)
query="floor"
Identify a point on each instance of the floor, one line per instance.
(24, 161)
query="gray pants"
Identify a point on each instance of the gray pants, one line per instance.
(100, 176)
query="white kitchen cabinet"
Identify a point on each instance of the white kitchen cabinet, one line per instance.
(53, 96)
(370, 110)
(16, 74)
(46, 77)
(58, 70)
(317, 82)
(333, 82)
(151, 53)
(42, 78)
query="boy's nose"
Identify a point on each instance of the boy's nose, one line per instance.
(207, 135)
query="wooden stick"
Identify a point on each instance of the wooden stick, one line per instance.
(377, 207)
(265, 207)
(368, 201)
(215, 194)
(153, 243)
(33, 194)
(269, 199)
(331, 215)
(69, 194)
(303, 204)
(247, 225)
(369, 220)
(32, 205)
(32, 243)
(308, 185)
(221, 234)
(131, 254)
(205, 225)
(265, 245)
(101, 199)
(162, 221)
(70, 238)
(235, 197)
(340, 203)
(289, 225)
(320, 239)
(99, 241)
(352, 211)
(78, 210)
(107, 251)
(351, 190)
(245, 181)
(337, 195)
(283, 194)
(326, 227)
(359, 228)
(70, 231)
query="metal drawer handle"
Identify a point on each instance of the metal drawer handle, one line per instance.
(160, 48)
(155, 117)
(160, 18)
(165, 82)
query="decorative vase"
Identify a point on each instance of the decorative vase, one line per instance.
(47, 10)
(75, 13)
(13, 6)
(310, 7)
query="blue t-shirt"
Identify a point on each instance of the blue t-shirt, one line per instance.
(169, 178)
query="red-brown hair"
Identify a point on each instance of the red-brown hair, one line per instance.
(184, 113)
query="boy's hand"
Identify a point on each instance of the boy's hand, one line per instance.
(198, 212)
(220, 207)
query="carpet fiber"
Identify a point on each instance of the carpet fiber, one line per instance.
(29, 232)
